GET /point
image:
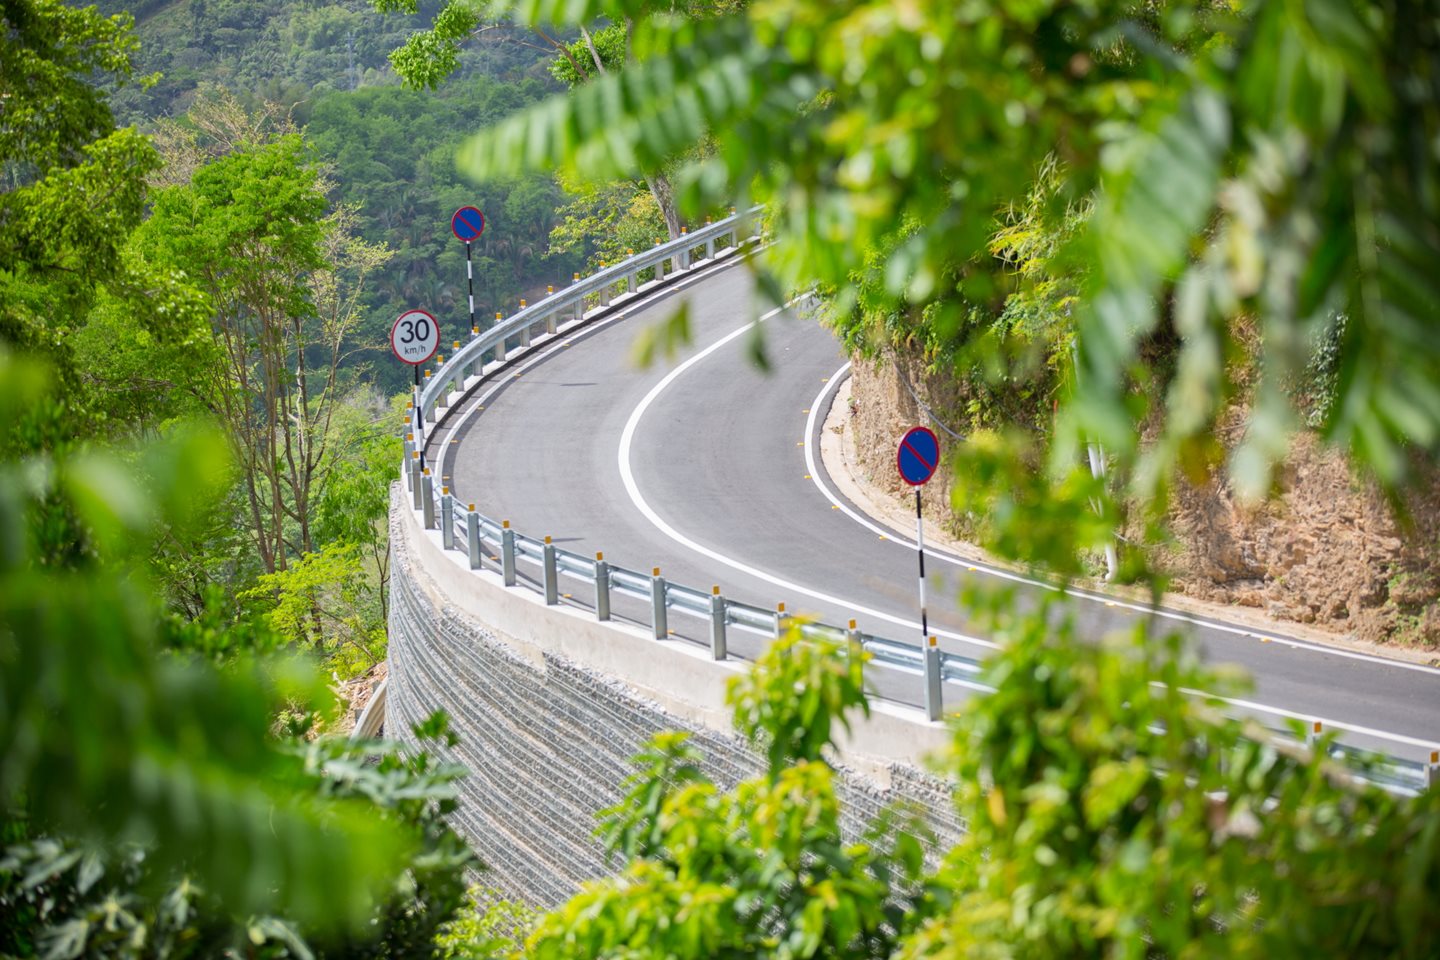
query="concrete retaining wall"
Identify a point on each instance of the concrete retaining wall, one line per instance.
(550, 705)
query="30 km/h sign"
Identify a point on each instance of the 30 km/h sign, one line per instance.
(467, 224)
(415, 337)
(918, 456)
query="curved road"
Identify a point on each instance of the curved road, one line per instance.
(700, 467)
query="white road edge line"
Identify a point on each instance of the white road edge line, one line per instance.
(811, 466)
(627, 477)
(979, 567)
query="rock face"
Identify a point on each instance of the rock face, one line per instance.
(1327, 551)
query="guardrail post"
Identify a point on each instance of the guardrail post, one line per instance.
(551, 577)
(632, 282)
(605, 294)
(1432, 771)
(658, 615)
(427, 499)
(447, 519)
(525, 336)
(719, 649)
(479, 362)
(710, 249)
(507, 553)
(682, 259)
(1313, 736)
(415, 479)
(781, 621)
(500, 344)
(472, 537)
(602, 588)
(934, 696)
(579, 301)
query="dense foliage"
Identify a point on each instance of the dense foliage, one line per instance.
(1107, 815)
(66, 900)
(151, 803)
(1271, 160)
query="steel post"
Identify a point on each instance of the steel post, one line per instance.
(415, 478)
(1432, 771)
(782, 622)
(447, 519)
(659, 616)
(427, 498)
(856, 646)
(934, 696)
(719, 649)
(602, 588)
(507, 553)
(550, 577)
(550, 323)
(472, 537)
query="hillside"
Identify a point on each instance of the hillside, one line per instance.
(390, 150)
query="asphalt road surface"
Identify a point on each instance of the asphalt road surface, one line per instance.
(698, 465)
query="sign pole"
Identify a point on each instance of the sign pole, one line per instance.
(916, 460)
(414, 340)
(470, 285)
(920, 552)
(419, 420)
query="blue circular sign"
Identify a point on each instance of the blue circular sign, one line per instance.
(918, 456)
(467, 224)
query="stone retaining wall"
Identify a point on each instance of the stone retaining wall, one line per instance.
(547, 735)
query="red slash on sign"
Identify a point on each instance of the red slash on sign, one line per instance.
(918, 456)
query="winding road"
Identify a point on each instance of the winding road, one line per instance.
(709, 469)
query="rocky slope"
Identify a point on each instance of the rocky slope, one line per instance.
(1327, 551)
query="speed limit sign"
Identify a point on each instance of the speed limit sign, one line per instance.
(415, 337)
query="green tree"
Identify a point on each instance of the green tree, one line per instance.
(105, 741)
(1274, 160)
(602, 50)
(760, 870)
(1108, 812)
(61, 899)
(280, 275)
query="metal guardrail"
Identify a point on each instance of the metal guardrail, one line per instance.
(493, 544)
(609, 287)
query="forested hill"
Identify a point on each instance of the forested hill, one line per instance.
(390, 150)
(287, 53)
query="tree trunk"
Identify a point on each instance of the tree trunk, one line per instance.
(658, 183)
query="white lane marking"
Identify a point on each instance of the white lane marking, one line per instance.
(543, 350)
(975, 566)
(627, 477)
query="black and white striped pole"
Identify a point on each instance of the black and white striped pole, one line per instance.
(916, 460)
(467, 224)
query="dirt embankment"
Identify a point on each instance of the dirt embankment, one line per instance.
(1328, 551)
